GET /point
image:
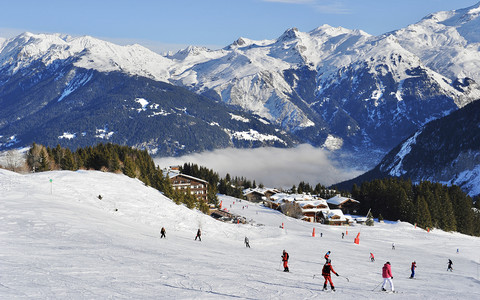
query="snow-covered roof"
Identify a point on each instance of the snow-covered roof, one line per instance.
(313, 203)
(337, 200)
(292, 197)
(259, 190)
(173, 173)
(329, 214)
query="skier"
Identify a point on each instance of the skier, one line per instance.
(247, 243)
(372, 258)
(450, 263)
(162, 232)
(199, 235)
(414, 265)
(327, 268)
(285, 257)
(327, 256)
(387, 276)
(343, 235)
(393, 246)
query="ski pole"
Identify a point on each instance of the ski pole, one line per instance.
(345, 278)
(377, 285)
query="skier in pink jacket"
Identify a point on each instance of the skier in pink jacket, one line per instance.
(387, 276)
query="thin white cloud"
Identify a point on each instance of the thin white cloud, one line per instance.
(334, 7)
(274, 167)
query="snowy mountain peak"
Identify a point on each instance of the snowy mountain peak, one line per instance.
(190, 51)
(330, 31)
(88, 52)
(289, 35)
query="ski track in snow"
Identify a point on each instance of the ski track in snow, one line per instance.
(59, 241)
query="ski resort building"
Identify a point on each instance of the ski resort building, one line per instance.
(313, 210)
(259, 194)
(183, 182)
(309, 208)
(347, 205)
(335, 217)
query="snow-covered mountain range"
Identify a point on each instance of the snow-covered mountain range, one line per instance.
(333, 87)
(446, 150)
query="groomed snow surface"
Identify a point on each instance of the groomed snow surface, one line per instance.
(58, 240)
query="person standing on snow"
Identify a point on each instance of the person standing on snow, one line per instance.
(387, 276)
(450, 263)
(285, 257)
(372, 258)
(247, 243)
(162, 233)
(199, 235)
(327, 268)
(393, 246)
(414, 265)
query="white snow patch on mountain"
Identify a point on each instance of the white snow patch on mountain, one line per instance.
(68, 136)
(253, 135)
(396, 169)
(143, 103)
(103, 133)
(239, 118)
(469, 180)
(76, 82)
(333, 143)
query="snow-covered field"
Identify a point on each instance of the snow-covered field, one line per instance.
(58, 240)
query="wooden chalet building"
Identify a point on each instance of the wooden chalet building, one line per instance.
(347, 205)
(312, 210)
(259, 194)
(183, 182)
(335, 217)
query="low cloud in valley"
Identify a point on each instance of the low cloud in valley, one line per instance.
(274, 167)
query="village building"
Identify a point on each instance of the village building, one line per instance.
(258, 194)
(182, 182)
(310, 208)
(347, 205)
(279, 199)
(313, 210)
(335, 217)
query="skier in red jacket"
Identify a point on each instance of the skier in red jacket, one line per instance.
(414, 265)
(327, 268)
(387, 276)
(285, 261)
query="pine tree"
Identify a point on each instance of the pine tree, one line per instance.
(129, 167)
(423, 214)
(370, 221)
(67, 162)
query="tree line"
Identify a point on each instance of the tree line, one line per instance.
(426, 204)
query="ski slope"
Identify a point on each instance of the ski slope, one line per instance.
(58, 240)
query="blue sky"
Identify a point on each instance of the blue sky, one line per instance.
(173, 24)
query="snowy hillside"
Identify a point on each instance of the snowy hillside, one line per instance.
(59, 240)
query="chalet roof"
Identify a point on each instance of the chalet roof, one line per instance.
(313, 203)
(329, 214)
(261, 191)
(291, 197)
(174, 173)
(337, 200)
